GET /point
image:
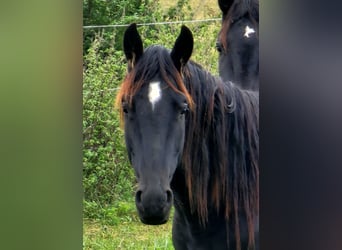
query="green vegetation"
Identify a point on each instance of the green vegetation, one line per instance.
(132, 235)
(110, 215)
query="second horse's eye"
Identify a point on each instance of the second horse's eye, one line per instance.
(185, 109)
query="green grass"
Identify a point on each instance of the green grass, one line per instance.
(117, 227)
(126, 236)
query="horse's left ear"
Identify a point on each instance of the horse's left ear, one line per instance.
(132, 45)
(182, 49)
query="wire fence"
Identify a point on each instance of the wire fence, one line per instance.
(111, 90)
(150, 24)
(103, 90)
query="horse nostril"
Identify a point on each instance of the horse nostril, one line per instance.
(169, 196)
(138, 196)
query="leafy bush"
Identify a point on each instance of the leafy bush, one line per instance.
(99, 12)
(107, 174)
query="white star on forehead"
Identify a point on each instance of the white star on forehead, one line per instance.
(154, 93)
(248, 31)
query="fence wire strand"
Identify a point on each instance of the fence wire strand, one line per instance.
(150, 24)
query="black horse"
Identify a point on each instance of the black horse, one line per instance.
(238, 42)
(193, 141)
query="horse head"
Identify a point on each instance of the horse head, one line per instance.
(154, 105)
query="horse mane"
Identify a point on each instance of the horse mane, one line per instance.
(221, 149)
(235, 12)
(155, 60)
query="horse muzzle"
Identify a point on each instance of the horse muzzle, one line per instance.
(154, 205)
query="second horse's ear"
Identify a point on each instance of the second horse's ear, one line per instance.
(225, 5)
(182, 49)
(132, 45)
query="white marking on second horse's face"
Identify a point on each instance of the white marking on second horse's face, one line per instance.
(248, 31)
(154, 93)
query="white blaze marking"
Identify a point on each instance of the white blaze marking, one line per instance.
(248, 31)
(154, 93)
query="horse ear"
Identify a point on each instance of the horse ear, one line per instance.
(182, 49)
(133, 46)
(225, 5)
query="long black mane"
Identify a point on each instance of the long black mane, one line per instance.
(222, 147)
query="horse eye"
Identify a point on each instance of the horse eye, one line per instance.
(185, 109)
(125, 107)
(219, 47)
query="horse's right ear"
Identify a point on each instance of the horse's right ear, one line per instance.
(225, 5)
(132, 45)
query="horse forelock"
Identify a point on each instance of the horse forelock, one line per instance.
(155, 62)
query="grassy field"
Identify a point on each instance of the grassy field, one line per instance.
(121, 229)
(126, 236)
